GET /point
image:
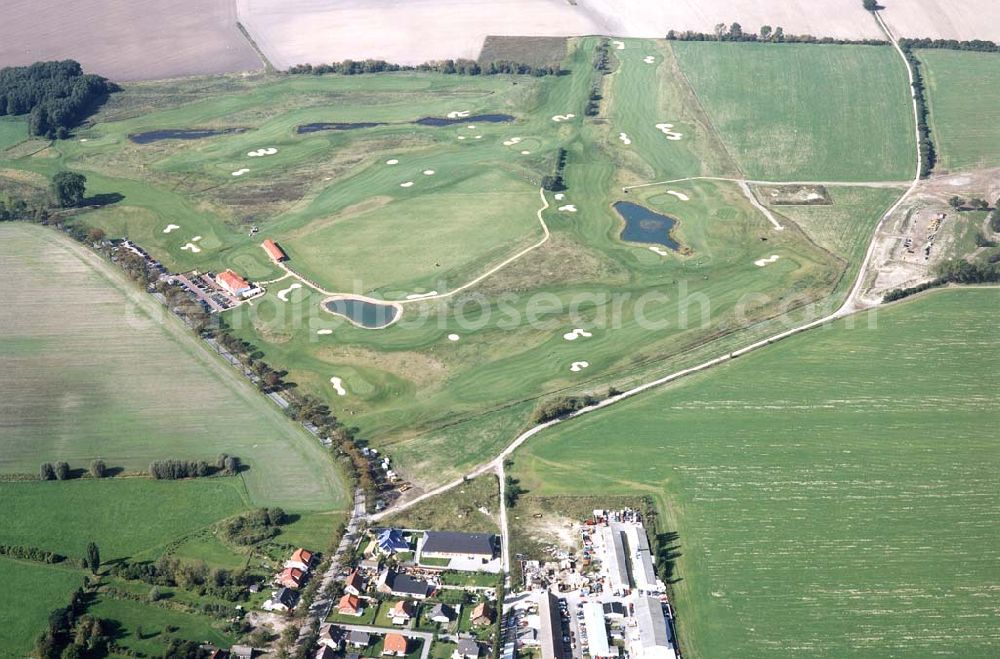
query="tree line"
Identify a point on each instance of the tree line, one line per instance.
(766, 34)
(928, 155)
(447, 66)
(254, 527)
(168, 571)
(61, 470)
(72, 634)
(954, 271)
(168, 470)
(556, 182)
(56, 96)
(24, 553)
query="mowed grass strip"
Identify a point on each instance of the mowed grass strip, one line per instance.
(833, 494)
(806, 112)
(963, 90)
(95, 368)
(42, 588)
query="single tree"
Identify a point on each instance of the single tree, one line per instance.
(720, 30)
(765, 32)
(735, 31)
(69, 188)
(47, 472)
(956, 202)
(98, 468)
(93, 557)
(95, 235)
(62, 470)
(871, 5)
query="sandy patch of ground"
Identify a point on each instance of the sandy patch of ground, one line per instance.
(658, 250)
(624, 138)
(562, 117)
(619, 45)
(171, 227)
(679, 195)
(526, 153)
(241, 171)
(190, 247)
(760, 263)
(338, 386)
(284, 293)
(649, 59)
(392, 161)
(428, 172)
(559, 196)
(461, 137)
(578, 366)
(512, 141)
(418, 296)
(577, 333)
(568, 208)
(265, 151)
(453, 337)
(324, 332)
(667, 129)
(406, 184)
(458, 114)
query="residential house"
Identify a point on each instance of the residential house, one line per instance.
(449, 544)
(355, 584)
(442, 614)
(325, 652)
(350, 605)
(301, 559)
(232, 283)
(290, 577)
(391, 541)
(482, 615)
(395, 645)
(283, 599)
(358, 639)
(330, 636)
(467, 648)
(402, 585)
(401, 613)
(241, 652)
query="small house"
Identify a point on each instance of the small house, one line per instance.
(330, 637)
(301, 559)
(391, 541)
(450, 544)
(467, 648)
(401, 613)
(350, 605)
(325, 652)
(290, 577)
(233, 284)
(283, 599)
(395, 645)
(442, 614)
(482, 615)
(274, 251)
(396, 583)
(241, 652)
(355, 584)
(358, 639)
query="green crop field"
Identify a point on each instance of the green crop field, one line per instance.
(42, 589)
(102, 371)
(963, 91)
(833, 494)
(12, 131)
(805, 112)
(158, 625)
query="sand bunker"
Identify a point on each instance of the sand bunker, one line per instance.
(417, 296)
(562, 117)
(191, 247)
(406, 184)
(338, 386)
(526, 153)
(283, 294)
(268, 151)
(470, 127)
(458, 114)
(568, 208)
(171, 227)
(578, 366)
(392, 161)
(624, 138)
(461, 137)
(512, 141)
(453, 337)
(559, 196)
(196, 239)
(760, 263)
(577, 333)
(619, 45)
(241, 172)
(666, 130)
(324, 332)
(679, 195)
(479, 137)
(428, 172)
(659, 250)
(649, 59)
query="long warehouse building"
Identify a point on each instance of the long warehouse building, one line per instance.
(655, 640)
(550, 633)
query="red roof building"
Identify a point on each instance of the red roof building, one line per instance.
(290, 577)
(301, 558)
(276, 253)
(232, 283)
(349, 605)
(394, 644)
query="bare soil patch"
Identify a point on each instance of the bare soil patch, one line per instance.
(536, 51)
(794, 195)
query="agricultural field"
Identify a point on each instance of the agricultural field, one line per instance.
(12, 131)
(832, 494)
(453, 213)
(800, 112)
(46, 588)
(962, 91)
(102, 371)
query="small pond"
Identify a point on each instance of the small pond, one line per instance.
(643, 225)
(181, 134)
(479, 118)
(320, 126)
(365, 313)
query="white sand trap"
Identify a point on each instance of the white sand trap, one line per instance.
(191, 247)
(578, 366)
(196, 239)
(406, 184)
(568, 208)
(392, 161)
(417, 296)
(267, 151)
(479, 137)
(458, 114)
(760, 263)
(324, 332)
(559, 196)
(562, 117)
(338, 386)
(241, 171)
(577, 333)
(428, 172)
(471, 127)
(649, 59)
(461, 137)
(679, 195)
(83, 139)
(171, 227)
(814, 196)
(512, 141)
(453, 337)
(619, 45)
(526, 153)
(624, 138)
(666, 130)
(283, 294)
(659, 250)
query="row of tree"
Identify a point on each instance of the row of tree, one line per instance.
(71, 634)
(767, 34)
(928, 154)
(56, 96)
(560, 407)
(61, 470)
(168, 571)
(225, 465)
(447, 66)
(254, 527)
(556, 182)
(31, 554)
(957, 271)
(976, 45)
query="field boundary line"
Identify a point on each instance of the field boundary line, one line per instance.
(748, 193)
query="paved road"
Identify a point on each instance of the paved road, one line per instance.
(427, 637)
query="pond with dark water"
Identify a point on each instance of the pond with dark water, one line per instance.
(479, 118)
(182, 134)
(365, 313)
(320, 126)
(643, 225)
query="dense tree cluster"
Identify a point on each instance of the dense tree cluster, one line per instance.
(254, 527)
(928, 155)
(954, 271)
(871, 5)
(69, 189)
(71, 634)
(31, 554)
(56, 96)
(560, 407)
(447, 66)
(555, 182)
(768, 34)
(976, 45)
(168, 470)
(168, 571)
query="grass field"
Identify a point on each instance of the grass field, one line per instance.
(833, 494)
(43, 588)
(457, 510)
(102, 371)
(158, 625)
(12, 131)
(963, 90)
(806, 112)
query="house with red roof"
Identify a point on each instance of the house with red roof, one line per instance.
(232, 283)
(290, 577)
(350, 605)
(301, 559)
(395, 644)
(276, 253)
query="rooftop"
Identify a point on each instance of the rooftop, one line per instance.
(452, 542)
